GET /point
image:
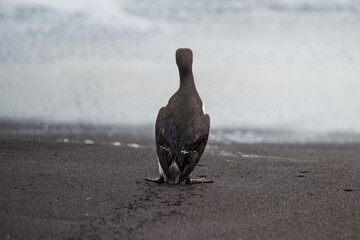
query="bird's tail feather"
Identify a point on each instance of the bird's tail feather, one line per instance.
(174, 173)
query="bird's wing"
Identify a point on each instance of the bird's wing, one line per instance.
(165, 137)
(193, 146)
(186, 146)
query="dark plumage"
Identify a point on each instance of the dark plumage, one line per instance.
(182, 128)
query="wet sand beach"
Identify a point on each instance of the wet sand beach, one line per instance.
(65, 190)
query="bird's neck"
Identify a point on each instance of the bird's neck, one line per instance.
(186, 79)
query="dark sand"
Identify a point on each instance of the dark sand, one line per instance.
(271, 191)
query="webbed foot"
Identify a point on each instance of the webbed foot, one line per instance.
(197, 180)
(157, 180)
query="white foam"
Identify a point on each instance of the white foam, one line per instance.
(65, 140)
(133, 145)
(251, 156)
(88, 141)
(116, 143)
(225, 153)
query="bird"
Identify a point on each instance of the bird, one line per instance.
(182, 128)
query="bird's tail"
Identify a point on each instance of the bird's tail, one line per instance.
(173, 173)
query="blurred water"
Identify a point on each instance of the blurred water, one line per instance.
(289, 64)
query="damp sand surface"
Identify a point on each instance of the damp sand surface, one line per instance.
(88, 190)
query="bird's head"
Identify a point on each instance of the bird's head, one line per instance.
(184, 59)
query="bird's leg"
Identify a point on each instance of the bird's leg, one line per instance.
(197, 180)
(157, 180)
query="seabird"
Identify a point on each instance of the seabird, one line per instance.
(182, 128)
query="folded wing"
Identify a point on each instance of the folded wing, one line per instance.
(185, 146)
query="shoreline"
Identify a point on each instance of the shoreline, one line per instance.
(98, 133)
(267, 191)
